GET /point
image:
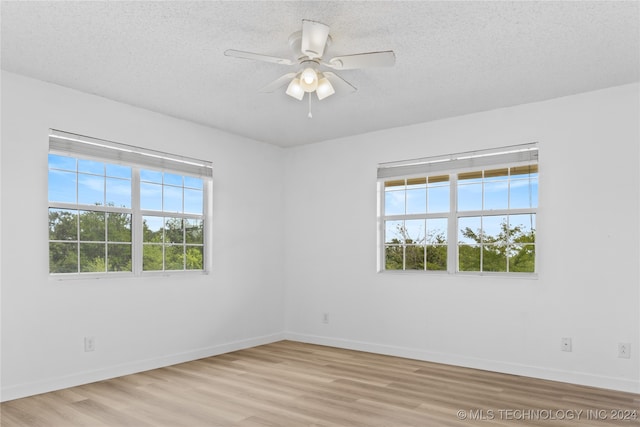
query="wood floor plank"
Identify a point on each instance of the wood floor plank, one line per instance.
(290, 384)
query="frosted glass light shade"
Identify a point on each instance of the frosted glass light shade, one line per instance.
(295, 90)
(309, 80)
(324, 88)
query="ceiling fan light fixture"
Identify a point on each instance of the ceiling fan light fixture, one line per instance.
(295, 89)
(325, 88)
(309, 80)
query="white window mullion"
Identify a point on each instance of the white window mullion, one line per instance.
(136, 223)
(452, 226)
(106, 218)
(482, 233)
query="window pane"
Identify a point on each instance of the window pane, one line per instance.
(150, 176)
(522, 228)
(174, 257)
(118, 171)
(394, 232)
(172, 179)
(193, 201)
(394, 202)
(438, 199)
(394, 184)
(414, 257)
(469, 230)
(494, 229)
(90, 189)
(92, 256)
(469, 197)
(496, 174)
(173, 231)
(119, 257)
(63, 224)
(494, 258)
(416, 200)
(151, 257)
(63, 257)
(172, 199)
(194, 231)
(416, 183)
(468, 258)
(528, 170)
(62, 186)
(62, 162)
(437, 230)
(90, 166)
(153, 229)
(118, 227)
(150, 197)
(524, 193)
(414, 231)
(522, 258)
(195, 258)
(393, 256)
(470, 177)
(192, 182)
(496, 195)
(92, 226)
(119, 192)
(437, 257)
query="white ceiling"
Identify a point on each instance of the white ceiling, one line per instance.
(452, 58)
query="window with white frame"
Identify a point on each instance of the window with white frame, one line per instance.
(117, 209)
(467, 212)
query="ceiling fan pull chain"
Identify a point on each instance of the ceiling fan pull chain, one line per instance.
(309, 116)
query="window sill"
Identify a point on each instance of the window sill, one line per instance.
(529, 276)
(60, 277)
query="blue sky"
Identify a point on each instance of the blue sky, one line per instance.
(100, 183)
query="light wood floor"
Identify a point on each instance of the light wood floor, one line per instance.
(295, 384)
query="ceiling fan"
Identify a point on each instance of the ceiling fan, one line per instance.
(309, 46)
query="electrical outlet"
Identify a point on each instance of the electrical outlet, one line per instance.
(89, 344)
(565, 344)
(624, 350)
(325, 317)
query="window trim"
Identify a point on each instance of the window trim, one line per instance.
(479, 160)
(108, 152)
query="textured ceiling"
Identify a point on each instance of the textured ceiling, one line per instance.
(452, 58)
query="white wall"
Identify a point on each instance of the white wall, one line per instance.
(138, 323)
(588, 245)
(295, 237)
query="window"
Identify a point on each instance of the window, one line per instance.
(469, 212)
(117, 209)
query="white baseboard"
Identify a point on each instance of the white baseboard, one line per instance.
(573, 377)
(52, 384)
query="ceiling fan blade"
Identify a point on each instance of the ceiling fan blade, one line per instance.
(363, 60)
(278, 83)
(257, 57)
(339, 84)
(314, 38)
